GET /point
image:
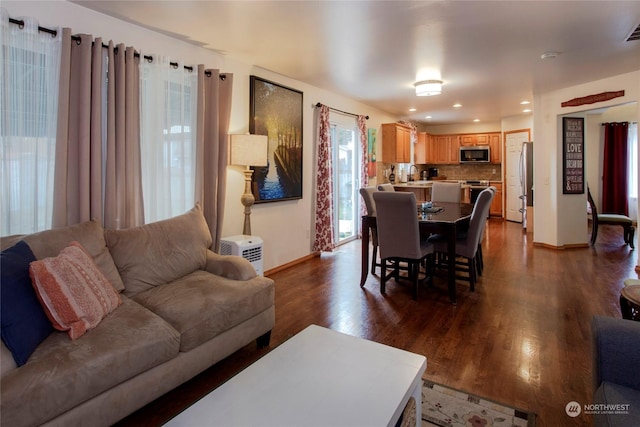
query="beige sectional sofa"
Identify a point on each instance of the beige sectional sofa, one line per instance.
(183, 309)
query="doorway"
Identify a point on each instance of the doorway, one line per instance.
(346, 155)
(513, 184)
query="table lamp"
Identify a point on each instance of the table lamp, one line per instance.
(248, 150)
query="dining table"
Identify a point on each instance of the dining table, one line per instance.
(445, 218)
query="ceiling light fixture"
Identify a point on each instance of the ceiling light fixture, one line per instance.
(476, 120)
(549, 55)
(526, 110)
(525, 103)
(428, 87)
(457, 105)
(412, 109)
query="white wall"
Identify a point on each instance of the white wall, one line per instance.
(286, 226)
(561, 219)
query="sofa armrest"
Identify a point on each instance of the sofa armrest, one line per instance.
(616, 351)
(230, 266)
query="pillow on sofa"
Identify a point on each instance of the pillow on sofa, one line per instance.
(75, 294)
(160, 252)
(24, 323)
(90, 235)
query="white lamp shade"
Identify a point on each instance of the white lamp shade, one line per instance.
(249, 150)
(428, 87)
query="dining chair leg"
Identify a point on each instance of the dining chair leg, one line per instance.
(383, 276)
(472, 274)
(594, 233)
(415, 269)
(374, 260)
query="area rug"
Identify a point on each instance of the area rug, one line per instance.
(446, 407)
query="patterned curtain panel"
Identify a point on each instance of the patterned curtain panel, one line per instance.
(364, 159)
(614, 169)
(324, 236)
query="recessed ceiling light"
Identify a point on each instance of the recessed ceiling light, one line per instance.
(525, 103)
(526, 110)
(428, 117)
(549, 55)
(476, 120)
(457, 105)
(412, 109)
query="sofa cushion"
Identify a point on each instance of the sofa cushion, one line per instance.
(201, 305)
(75, 294)
(24, 324)
(89, 234)
(63, 373)
(620, 396)
(160, 252)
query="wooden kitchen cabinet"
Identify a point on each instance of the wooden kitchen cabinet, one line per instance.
(495, 147)
(496, 204)
(444, 150)
(396, 143)
(420, 149)
(472, 139)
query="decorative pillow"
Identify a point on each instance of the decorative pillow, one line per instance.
(24, 323)
(75, 294)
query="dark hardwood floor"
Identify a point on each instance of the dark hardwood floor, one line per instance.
(522, 338)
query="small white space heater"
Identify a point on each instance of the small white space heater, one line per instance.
(248, 247)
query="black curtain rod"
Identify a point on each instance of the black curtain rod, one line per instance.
(618, 123)
(54, 33)
(340, 111)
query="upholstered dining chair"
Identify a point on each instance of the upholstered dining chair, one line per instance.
(367, 196)
(479, 257)
(609, 219)
(399, 236)
(386, 187)
(467, 245)
(445, 192)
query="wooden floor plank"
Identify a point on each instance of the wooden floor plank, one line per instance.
(522, 338)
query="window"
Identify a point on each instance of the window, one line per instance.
(168, 140)
(29, 78)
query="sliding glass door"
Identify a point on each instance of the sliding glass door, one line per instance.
(345, 177)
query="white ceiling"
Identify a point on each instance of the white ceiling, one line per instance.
(486, 52)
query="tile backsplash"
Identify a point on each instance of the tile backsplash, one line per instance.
(491, 172)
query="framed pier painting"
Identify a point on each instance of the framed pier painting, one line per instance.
(276, 111)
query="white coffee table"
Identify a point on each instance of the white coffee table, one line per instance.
(319, 377)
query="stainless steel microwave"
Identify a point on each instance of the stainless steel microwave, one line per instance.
(475, 154)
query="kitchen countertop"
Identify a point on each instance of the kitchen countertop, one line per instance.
(427, 184)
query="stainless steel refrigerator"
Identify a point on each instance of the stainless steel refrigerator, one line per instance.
(526, 179)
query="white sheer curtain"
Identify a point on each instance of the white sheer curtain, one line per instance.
(29, 74)
(632, 146)
(168, 140)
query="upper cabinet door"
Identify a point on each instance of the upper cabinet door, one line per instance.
(420, 149)
(396, 143)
